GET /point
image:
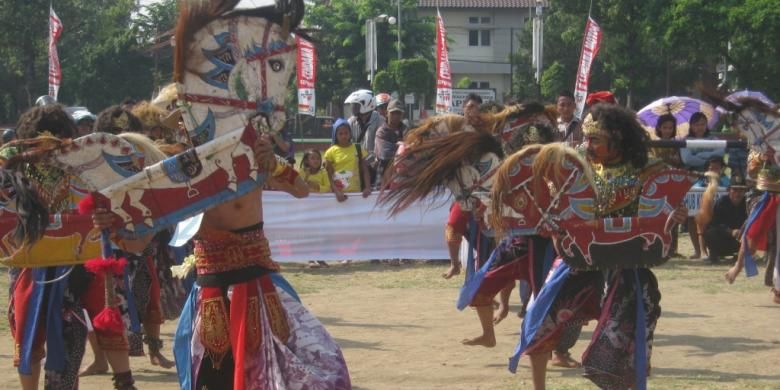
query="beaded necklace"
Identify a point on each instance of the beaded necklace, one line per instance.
(617, 189)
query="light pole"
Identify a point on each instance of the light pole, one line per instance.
(538, 43)
(371, 50)
(399, 28)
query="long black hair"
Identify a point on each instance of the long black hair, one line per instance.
(625, 132)
(697, 116)
(663, 119)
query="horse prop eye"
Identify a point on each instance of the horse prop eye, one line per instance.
(276, 65)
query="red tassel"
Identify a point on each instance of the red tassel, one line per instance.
(109, 321)
(87, 205)
(100, 266)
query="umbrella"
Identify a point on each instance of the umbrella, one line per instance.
(682, 108)
(743, 94)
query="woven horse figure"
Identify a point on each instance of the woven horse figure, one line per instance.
(448, 153)
(549, 190)
(231, 86)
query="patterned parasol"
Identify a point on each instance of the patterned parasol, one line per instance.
(681, 107)
(746, 93)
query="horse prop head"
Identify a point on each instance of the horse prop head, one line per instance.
(233, 65)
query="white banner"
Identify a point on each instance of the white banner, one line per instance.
(590, 47)
(320, 228)
(55, 72)
(693, 199)
(307, 76)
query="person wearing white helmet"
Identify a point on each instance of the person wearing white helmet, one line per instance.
(364, 123)
(381, 101)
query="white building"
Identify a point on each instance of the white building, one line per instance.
(482, 34)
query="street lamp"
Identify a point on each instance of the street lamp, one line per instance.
(371, 52)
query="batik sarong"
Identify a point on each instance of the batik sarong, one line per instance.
(239, 329)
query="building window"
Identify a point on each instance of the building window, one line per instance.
(485, 37)
(479, 85)
(479, 37)
(473, 37)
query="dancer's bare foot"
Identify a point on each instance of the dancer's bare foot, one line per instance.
(776, 294)
(731, 274)
(488, 341)
(564, 360)
(95, 369)
(452, 271)
(157, 359)
(501, 313)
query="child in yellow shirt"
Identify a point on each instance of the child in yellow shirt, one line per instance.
(346, 164)
(312, 172)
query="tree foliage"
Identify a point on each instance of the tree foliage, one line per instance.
(655, 48)
(101, 51)
(340, 41)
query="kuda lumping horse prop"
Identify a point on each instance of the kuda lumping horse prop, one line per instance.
(549, 190)
(232, 67)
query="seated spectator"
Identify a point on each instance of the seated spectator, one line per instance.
(715, 165)
(666, 128)
(346, 163)
(312, 173)
(697, 159)
(387, 138)
(722, 236)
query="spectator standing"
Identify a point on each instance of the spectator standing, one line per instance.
(471, 109)
(345, 163)
(697, 159)
(283, 144)
(312, 172)
(568, 125)
(723, 232)
(666, 129)
(84, 122)
(387, 138)
(364, 123)
(381, 101)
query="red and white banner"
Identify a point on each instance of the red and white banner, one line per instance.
(55, 73)
(590, 47)
(307, 76)
(443, 75)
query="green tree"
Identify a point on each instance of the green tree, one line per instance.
(554, 79)
(464, 82)
(101, 52)
(340, 42)
(384, 82)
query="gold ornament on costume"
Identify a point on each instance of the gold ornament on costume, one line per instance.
(591, 127)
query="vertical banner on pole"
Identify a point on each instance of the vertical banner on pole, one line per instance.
(443, 75)
(590, 47)
(55, 73)
(307, 76)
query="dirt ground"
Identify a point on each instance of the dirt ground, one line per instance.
(399, 329)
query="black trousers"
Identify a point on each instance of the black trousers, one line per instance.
(720, 242)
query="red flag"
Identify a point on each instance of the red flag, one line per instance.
(307, 76)
(55, 73)
(590, 47)
(443, 75)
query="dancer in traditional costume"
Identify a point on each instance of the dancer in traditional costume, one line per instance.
(615, 147)
(45, 311)
(463, 154)
(243, 326)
